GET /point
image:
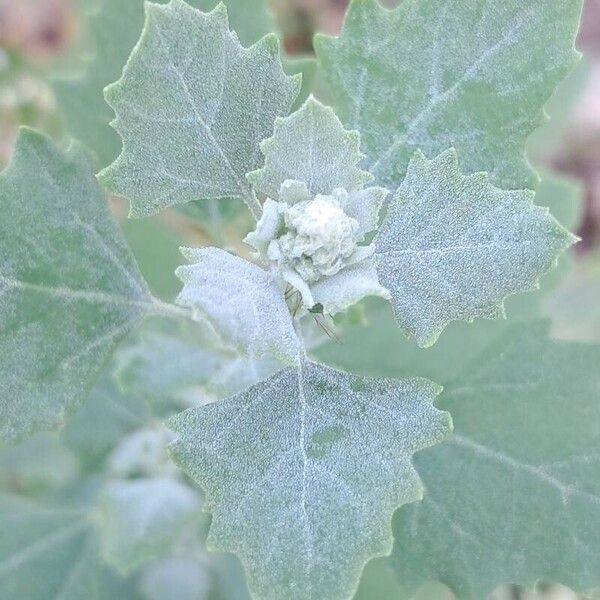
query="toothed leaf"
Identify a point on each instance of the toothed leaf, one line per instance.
(435, 74)
(310, 146)
(69, 287)
(453, 247)
(192, 106)
(302, 473)
(514, 494)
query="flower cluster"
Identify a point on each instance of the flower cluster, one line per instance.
(317, 243)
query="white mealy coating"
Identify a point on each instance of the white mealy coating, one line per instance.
(319, 237)
(307, 239)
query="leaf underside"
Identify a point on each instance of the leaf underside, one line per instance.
(514, 494)
(435, 74)
(453, 247)
(69, 287)
(192, 107)
(302, 473)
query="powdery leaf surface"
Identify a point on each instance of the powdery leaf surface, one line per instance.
(302, 473)
(242, 301)
(435, 74)
(311, 146)
(115, 29)
(453, 247)
(514, 494)
(192, 107)
(69, 287)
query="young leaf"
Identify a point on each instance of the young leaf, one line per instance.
(140, 519)
(47, 553)
(434, 74)
(115, 29)
(514, 494)
(69, 287)
(310, 146)
(242, 301)
(453, 247)
(303, 471)
(192, 106)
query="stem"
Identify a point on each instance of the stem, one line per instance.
(298, 330)
(253, 205)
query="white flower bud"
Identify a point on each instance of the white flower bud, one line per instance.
(307, 240)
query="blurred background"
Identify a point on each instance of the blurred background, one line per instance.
(46, 42)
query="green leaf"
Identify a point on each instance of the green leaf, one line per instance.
(514, 494)
(242, 301)
(303, 471)
(177, 578)
(240, 373)
(105, 416)
(192, 106)
(69, 287)
(115, 29)
(311, 146)
(434, 74)
(49, 553)
(159, 365)
(140, 519)
(453, 247)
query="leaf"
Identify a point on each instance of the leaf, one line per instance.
(311, 146)
(242, 301)
(192, 106)
(105, 416)
(344, 289)
(303, 471)
(69, 287)
(176, 578)
(159, 365)
(140, 519)
(143, 453)
(48, 553)
(242, 372)
(115, 29)
(514, 494)
(434, 74)
(453, 247)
